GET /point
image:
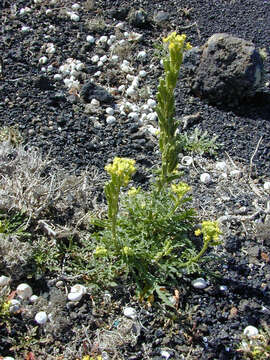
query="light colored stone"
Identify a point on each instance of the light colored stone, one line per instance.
(41, 318)
(130, 313)
(199, 283)
(4, 280)
(251, 331)
(24, 291)
(205, 178)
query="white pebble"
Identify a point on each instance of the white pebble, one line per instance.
(50, 68)
(205, 178)
(14, 305)
(133, 115)
(95, 59)
(110, 120)
(135, 82)
(126, 68)
(130, 313)
(224, 176)
(142, 73)
(49, 12)
(187, 160)
(97, 74)
(8, 358)
(104, 58)
(145, 109)
(41, 318)
(24, 291)
(50, 50)
(43, 60)
(141, 55)
(235, 174)
(90, 39)
(25, 10)
(79, 66)
(121, 88)
(152, 129)
(151, 103)
(100, 63)
(120, 25)
(75, 296)
(199, 283)
(266, 185)
(131, 91)
(103, 39)
(33, 298)
(75, 6)
(165, 354)
(4, 280)
(152, 116)
(95, 103)
(122, 42)
(109, 111)
(78, 288)
(74, 17)
(221, 166)
(223, 288)
(143, 118)
(130, 77)
(114, 59)
(251, 331)
(25, 29)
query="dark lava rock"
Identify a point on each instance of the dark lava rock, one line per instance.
(161, 17)
(43, 83)
(225, 69)
(91, 91)
(139, 18)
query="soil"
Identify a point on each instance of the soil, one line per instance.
(78, 141)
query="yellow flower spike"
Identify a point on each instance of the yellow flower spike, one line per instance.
(123, 168)
(180, 189)
(127, 251)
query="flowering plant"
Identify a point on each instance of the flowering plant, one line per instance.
(168, 143)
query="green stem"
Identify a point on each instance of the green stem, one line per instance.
(196, 258)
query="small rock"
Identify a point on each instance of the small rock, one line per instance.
(138, 18)
(266, 185)
(199, 283)
(41, 318)
(14, 305)
(251, 331)
(161, 17)
(110, 120)
(205, 178)
(187, 160)
(91, 91)
(130, 313)
(24, 291)
(4, 280)
(33, 299)
(221, 166)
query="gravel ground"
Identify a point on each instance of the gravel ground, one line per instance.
(81, 139)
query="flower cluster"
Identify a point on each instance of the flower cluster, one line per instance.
(177, 46)
(101, 251)
(133, 191)
(210, 231)
(122, 168)
(180, 189)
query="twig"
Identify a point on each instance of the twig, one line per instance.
(253, 155)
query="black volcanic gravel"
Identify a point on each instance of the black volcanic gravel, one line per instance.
(54, 120)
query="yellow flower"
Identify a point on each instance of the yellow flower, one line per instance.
(197, 232)
(211, 232)
(127, 251)
(101, 251)
(133, 191)
(180, 189)
(123, 168)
